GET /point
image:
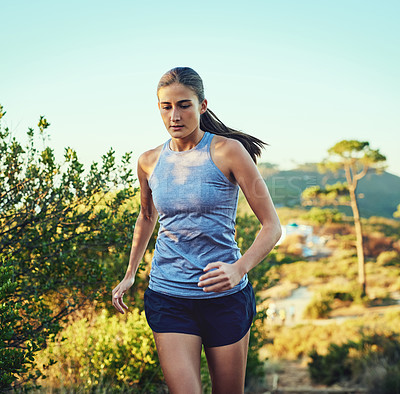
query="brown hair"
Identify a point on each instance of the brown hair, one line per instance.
(209, 121)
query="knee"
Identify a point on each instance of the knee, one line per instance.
(183, 382)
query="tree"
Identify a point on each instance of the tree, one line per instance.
(320, 216)
(356, 158)
(57, 224)
(397, 213)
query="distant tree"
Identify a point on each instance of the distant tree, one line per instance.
(312, 167)
(356, 158)
(56, 225)
(322, 216)
(397, 213)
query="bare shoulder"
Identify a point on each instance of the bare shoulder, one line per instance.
(148, 160)
(227, 147)
(222, 143)
(226, 154)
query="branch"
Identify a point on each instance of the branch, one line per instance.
(348, 174)
(362, 173)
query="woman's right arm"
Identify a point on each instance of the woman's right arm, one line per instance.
(144, 227)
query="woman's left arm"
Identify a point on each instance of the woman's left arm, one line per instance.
(221, 276)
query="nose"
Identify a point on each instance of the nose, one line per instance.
(175, 115)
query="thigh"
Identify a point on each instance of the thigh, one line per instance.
(165, 313)
(227, 365)
(226, 320)
(179, 356)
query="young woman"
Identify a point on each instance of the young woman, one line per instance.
(198, 293)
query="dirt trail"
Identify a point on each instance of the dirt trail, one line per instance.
(294, 374)
(293, 377)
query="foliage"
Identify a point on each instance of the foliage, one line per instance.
(388, 257)
(288, 215)
(384, 226)
(332, 367)
(305, 273)
(13, 361)
(396, 214)
(358, 155)
(117, 351)
(322, 302)
(56, 225)
(319, 307)
(322, 216)
(356, 359)
(336, 194)
(296, 342)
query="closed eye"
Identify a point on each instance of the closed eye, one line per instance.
(166, 107)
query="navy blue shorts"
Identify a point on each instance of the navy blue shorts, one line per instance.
(218, 321)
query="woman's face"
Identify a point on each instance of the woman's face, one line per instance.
(180, 110)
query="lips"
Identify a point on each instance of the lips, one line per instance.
(176, 127)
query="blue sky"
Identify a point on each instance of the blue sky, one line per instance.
(301, 75)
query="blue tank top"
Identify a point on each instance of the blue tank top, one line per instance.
(197, 205)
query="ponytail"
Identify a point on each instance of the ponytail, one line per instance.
(209, 121)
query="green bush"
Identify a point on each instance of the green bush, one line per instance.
(348, 292)
(321, 304)
(389, 257)
(319, 307)
(331, 368)
(58, 223)
(109, 350)
(373, 361)
(321, 216)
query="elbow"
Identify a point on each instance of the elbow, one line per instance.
(274, 231)
(148, 216)
(278, 232)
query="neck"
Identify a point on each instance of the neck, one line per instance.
(188, 142)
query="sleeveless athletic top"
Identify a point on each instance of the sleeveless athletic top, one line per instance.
(197, 205)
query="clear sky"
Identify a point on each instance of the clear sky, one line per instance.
(299, 74)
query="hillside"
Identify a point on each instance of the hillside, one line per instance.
(381, 192)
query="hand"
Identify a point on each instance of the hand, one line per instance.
(118, 294)
(220, 276)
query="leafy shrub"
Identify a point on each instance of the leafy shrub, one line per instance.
(333, 367)
(321, 216)
(57, 224)
(109, 349)
(374, 361)
(389, 257)
(351, 291)
(319, 307)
